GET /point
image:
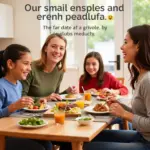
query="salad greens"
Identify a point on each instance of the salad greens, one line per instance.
(32, 121)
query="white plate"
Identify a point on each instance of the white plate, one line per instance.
(89, 109)
(94, 94)
(118, 97)
(37, 110)
(63, 96)
(30, 126)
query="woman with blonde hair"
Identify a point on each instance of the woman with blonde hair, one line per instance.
(44, 80)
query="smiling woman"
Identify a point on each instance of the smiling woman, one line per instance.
(136, 50)
(45, 78)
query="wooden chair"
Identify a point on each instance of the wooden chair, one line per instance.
(121, 80)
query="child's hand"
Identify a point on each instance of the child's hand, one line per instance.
(106, 89)
(116, 92)
(23, 102)
(92, 90)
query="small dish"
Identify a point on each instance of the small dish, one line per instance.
(84, 120)
(76, 96)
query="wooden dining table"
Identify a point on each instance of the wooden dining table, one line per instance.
(69, 132)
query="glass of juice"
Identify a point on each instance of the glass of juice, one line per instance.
(80, 103)
(87, 95)
(59, 116)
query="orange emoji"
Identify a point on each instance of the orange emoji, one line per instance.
(110, 17)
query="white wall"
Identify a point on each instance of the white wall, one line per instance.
(26, 27)
(28, 31)
(71, 78)
(6, 21)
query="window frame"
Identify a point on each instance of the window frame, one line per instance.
(82, 49)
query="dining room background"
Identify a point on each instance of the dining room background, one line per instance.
(29, 31)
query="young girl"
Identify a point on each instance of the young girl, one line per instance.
(15, 63)
(94, 77)
(136, 52)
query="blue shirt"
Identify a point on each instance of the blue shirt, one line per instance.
(9, 93)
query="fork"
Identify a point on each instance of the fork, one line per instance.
(104, 103)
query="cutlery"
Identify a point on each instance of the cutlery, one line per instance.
(83, 89)
(104, 103)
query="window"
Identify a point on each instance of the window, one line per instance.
(103, 41)
(141, 12)
(62, 24)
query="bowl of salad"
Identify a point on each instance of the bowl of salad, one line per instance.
(84, 120)
(32, 122)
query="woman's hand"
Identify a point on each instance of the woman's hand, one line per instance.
(112, 100)
(54, 97)
(117, 110)
(72, 90)
(43, 100)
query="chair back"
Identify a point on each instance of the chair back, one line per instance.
(121, 80)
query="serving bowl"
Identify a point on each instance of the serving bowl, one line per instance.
(84, 120)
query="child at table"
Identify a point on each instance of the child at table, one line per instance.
(15, 63)
(95, 78)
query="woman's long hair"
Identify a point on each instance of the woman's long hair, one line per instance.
(86, 76)
(140, 36)
(42, 61)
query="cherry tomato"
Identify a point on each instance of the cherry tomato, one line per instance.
(102, 96)
(35, 107)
